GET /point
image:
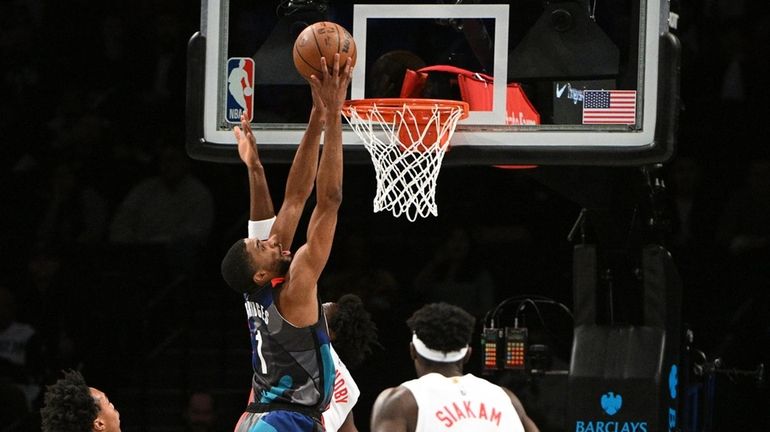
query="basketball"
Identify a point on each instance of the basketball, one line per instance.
(322, 39)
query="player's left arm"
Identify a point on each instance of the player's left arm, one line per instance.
(529, 425)
(298, 297)
(302, 173)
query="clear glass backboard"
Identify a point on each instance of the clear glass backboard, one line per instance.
(586, 82)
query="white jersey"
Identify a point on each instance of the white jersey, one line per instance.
(344, 396)
(462, 404)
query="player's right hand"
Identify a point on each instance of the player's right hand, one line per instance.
(318, 104)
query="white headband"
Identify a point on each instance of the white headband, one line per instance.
(435, 355)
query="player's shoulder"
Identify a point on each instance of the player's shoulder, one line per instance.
(396, 397)
(394, 409)
(393, 392)
(469, 377)
(395, 403)
(487, 386)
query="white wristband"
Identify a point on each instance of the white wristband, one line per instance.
(261, 229)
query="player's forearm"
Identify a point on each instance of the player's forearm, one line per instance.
(329, 181)
(303, 170)
(529, 425)
(260, 202)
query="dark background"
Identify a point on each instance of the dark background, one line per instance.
(92, 91)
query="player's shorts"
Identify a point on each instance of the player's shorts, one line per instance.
(277, 421)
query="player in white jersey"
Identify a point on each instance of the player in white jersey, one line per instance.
(339, 416)
(442, 398)
(352, 333)
(350, 328)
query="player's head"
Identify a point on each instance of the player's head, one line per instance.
(251, 263)
(71, 406)
(440, 335)
(351, 328)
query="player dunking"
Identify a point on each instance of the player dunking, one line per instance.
(293, 367)
(351, 330)
(442, 398)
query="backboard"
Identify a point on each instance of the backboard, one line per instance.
(599, 80)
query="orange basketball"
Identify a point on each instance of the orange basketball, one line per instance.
(322, 39)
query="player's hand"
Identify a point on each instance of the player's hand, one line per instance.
(247, 144)
(334, 85)
(319, 108)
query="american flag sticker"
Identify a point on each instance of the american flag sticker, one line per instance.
(609, 107)
(240, 89)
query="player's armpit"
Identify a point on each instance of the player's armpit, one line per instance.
(395, 410)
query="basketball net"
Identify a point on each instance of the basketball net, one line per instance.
(407, 141)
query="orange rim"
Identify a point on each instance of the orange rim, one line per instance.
(388, 107)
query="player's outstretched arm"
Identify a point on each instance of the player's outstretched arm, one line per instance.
(302, 173)
(395, 410)
(529, 425)
(261, 209)
(299, 294)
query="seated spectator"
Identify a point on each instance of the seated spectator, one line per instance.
(173, 209)
(456, 274)
(358, 273)
(75, 212)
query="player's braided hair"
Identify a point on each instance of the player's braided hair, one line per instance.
(442, 327)
(355, 332)
(237, 269)
(68, 405)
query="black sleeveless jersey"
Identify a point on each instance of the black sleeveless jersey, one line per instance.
(291, 365)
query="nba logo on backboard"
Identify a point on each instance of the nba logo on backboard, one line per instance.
(240, 89)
